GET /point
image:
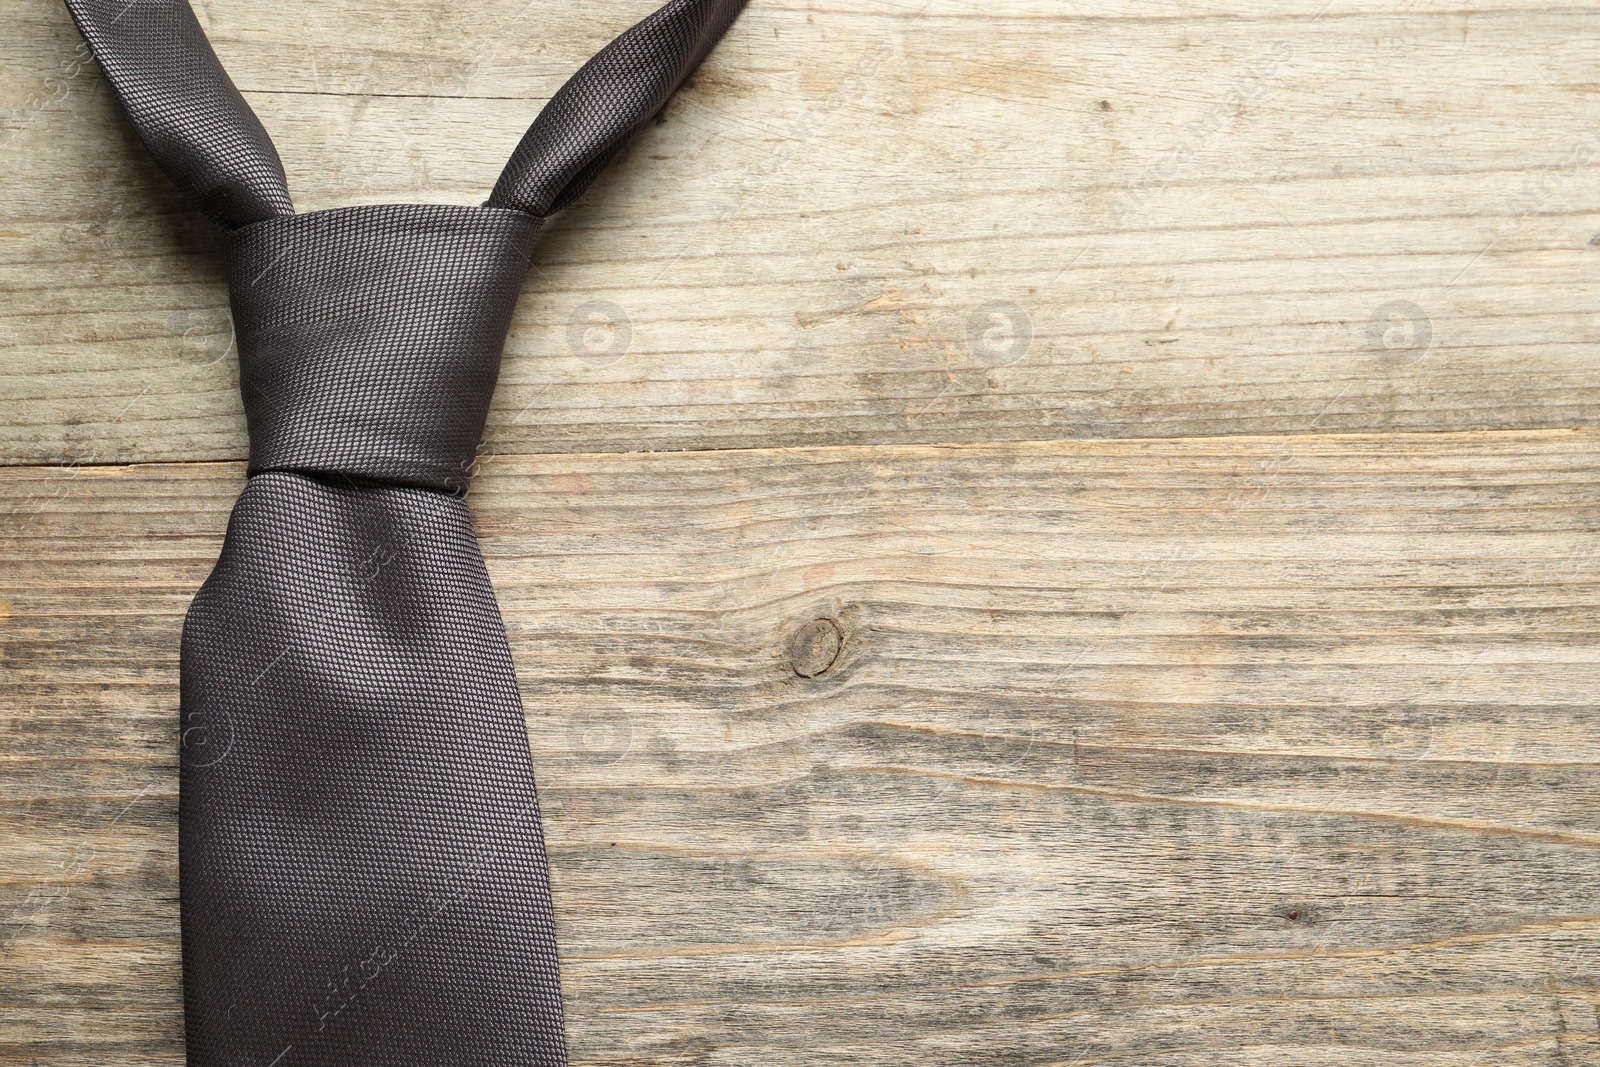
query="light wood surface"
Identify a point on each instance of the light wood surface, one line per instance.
(1127, 593)
(1266, 751)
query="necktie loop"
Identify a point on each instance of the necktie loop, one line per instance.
(370, 337)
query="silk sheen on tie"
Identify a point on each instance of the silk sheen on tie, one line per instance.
(362, 872)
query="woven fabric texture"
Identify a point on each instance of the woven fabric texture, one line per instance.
(349, 365)
(362, 875)
(364, 882)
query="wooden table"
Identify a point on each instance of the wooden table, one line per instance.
(1033, 532)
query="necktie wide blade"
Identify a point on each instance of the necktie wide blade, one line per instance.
(363, 876)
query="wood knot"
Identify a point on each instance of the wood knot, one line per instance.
(815, 647)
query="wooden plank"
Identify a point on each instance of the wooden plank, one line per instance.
(1236, 750)
(885, 222)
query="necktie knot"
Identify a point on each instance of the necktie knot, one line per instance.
(370, 337)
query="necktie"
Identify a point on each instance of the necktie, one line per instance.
(362, 873)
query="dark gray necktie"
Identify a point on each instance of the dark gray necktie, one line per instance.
(363, 878)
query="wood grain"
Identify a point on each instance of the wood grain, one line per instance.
(1244, 750)
(1190, 219)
